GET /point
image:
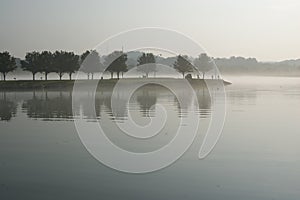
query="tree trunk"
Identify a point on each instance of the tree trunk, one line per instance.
(92, 76)
(182, 74)
(88, 76)
(70, 75)
(4, 76)
(33, 76)
(60, 75)
(118, 75)
(46, 76)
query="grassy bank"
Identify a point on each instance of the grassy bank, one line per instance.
(66, 84)
(38, 84)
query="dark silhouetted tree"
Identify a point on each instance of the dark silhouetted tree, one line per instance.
(182, 65)
(116, 62)
(146, 63)
(72, 65)
(46, 63)
(203, 63)
(31, 63)
(7, 64)
(65, 62)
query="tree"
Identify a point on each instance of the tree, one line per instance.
(182, 65)
(116, 62)
(7, 64)
(46, 63)
(90, 61)
(72, 64)
(31, 63)
(146, 63)
(203, 63)
(65, 62)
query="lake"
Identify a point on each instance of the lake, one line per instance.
(256, 157)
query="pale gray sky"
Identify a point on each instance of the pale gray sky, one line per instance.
(265, 29)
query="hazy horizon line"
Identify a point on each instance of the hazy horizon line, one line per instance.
(214, 57)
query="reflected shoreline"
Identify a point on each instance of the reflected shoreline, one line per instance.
(56, 104)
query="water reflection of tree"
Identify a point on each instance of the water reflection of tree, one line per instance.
(8, 108)
(185, 103)
(46, 107)
(204, 101)
(88, 111)
(183, 99)
(146, 99)
(58, 104)
(49, 105)
(120, 107)
(103, 103)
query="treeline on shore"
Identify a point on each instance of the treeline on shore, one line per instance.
(118, 62)
(90, 62)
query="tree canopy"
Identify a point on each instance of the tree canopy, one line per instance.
(7, 64)
(116, 62)
(182, 65)
(65, 62)
(203, 64)
(46, 63)
(90, 63)
(31, 63)
(146, 63)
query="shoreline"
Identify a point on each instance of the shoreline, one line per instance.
(67, 84)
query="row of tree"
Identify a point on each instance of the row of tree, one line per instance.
(63, 62)
(60, 62)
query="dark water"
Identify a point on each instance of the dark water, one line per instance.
(257, 156)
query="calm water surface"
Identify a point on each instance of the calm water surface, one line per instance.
(257, 156)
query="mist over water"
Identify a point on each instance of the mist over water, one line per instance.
(256, 157)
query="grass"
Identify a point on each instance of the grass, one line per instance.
(65, 84)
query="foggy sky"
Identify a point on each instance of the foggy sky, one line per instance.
(266, 29)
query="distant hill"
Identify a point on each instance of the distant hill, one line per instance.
(250, 66)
